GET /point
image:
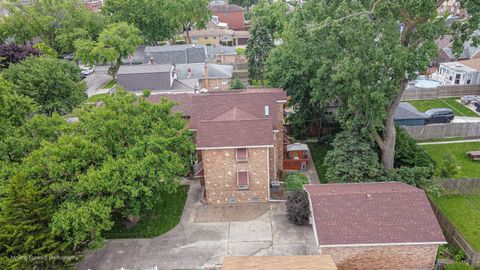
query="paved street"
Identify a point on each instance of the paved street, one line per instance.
(466, 119)
(193, 245)
(97, 79)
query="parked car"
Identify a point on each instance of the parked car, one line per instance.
(87, 70)
(82, 76)
(440, 115)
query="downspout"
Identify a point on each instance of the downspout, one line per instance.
(275, 155)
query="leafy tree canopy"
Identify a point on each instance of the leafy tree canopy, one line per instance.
(12, 53)
(362, 53)
(54, 84)
(57, 23)
(273, 15)
(191, 13)
(258, 48)
(154, 18)
(116, 42)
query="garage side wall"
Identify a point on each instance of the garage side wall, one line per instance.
(411, 257)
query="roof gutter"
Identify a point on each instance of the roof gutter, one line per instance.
(385, 244)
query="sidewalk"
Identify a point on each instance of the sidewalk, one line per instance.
(449, 142)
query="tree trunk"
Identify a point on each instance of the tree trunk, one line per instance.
(188, 40)
(388, 140)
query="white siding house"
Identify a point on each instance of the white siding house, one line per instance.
(460, 73)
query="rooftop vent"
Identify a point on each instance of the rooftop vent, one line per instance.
(369, 195)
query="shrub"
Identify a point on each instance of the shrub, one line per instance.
(408, 153)
(298, 209)
(421, 177)
(236, 84)
(295, 181)
(352, 159)
(448, 167)
(459, 266)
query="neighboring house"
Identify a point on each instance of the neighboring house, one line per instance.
(210, 76)
(239, 141)
(233, 15)
(366, 226)
(175, 54)
(407, 115)
(446, 53)
(157, 78)
(466, 72)
(216, 36)
(279, 263)
(221, 54)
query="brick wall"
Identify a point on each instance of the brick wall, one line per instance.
(220, 170)
(212, 84)
(235, 20)
(418, 257)
(279, 136)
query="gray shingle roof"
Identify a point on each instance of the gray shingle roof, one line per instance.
(214, 71)
(406, 111)
(220, 50)
(469, 51)
(137, 69)
(175, 54)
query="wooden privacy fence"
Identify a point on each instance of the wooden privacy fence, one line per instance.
(458, 186)
(444, 91)
(438, 131)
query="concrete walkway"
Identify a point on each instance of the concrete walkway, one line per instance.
(449, 142)
(203, 245)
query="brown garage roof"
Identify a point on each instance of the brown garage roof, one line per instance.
(279, 263)
(372, 213)
(220, 7)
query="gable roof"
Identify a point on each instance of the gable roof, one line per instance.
(469, 51)
(317, 262)
(372, 214)
(233, 118)
(405, 110)
(472, 63)
(142, 69)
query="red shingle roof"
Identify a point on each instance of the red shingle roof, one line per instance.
(230, 119)
(373, 213)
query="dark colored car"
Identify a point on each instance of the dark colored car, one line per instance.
(82, 76)
(440, 115)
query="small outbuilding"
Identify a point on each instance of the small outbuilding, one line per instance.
(407, 115)
(373, 226)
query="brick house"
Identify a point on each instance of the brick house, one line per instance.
(233, 15)
(375, 226)
(239, 141)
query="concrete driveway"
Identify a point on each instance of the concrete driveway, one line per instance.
(97, 79)
(193, 245)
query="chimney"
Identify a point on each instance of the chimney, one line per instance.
(205, 70)
(152, 60)
(189, 75)
(267, 111)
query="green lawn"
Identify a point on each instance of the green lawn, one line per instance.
(318, 152)
(97, 98)
(464, 212)
(468, 168)
(442, 140)
(163, 217)
(458, 109)
(109, 84)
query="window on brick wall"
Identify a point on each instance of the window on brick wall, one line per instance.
(243, 181)
(242, 154)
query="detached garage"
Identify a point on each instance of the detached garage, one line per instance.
(373, 226)
(407, 115)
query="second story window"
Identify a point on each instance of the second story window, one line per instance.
(242, 154)
(243, 180)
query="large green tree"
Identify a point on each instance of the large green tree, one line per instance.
(191, 13)
(362, 53)
(117, 159)
(116, 42)
(57, 23)
(154, 18)
(273, 15)
(53, 84)
(259, 46)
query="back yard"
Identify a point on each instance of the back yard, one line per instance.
(318, 152)
(466, 167)
(452, 103)
(464, 212)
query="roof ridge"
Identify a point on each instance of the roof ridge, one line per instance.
(234, 120)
